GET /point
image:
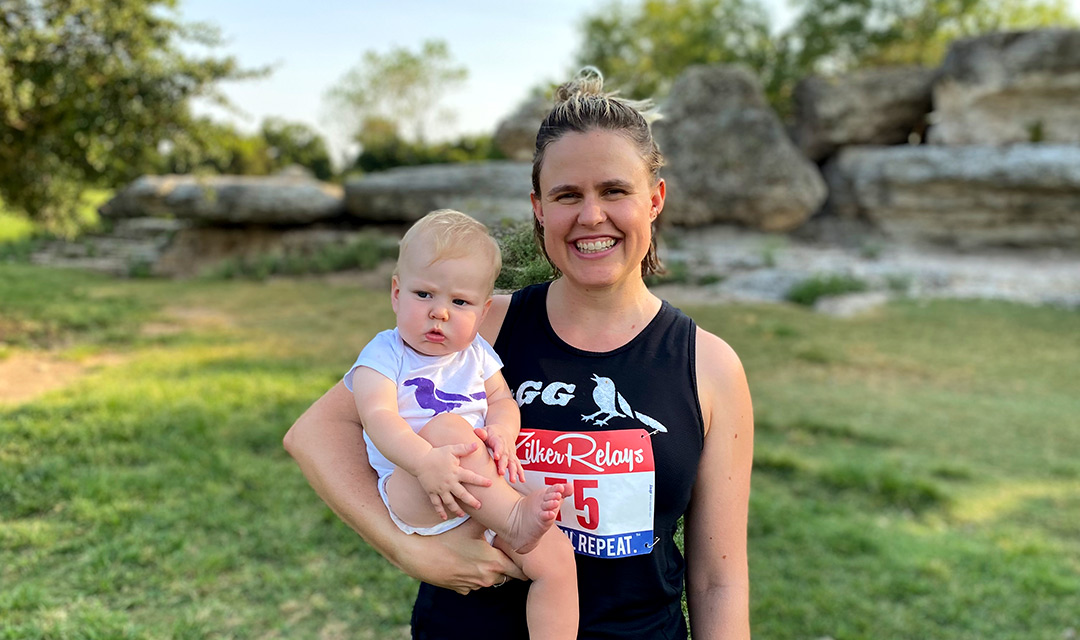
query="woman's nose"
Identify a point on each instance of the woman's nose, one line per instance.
(592, 211)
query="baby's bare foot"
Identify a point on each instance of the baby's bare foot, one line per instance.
(532, 516)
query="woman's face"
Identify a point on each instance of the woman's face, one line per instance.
(597, 203)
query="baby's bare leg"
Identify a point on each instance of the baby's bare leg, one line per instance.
(519, 520)
(552, 606)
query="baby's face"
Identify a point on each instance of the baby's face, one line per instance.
(440, 306)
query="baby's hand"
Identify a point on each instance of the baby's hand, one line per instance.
(442, 477)
(503, 451)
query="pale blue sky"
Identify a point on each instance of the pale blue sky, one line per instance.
(507, 47)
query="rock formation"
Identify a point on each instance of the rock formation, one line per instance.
(972, 196)
(515, 136)
(1011, 87)
(869, 107)
(270, 200)
(488, 191)
(729, 158)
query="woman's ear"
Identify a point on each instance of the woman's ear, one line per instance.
(659, 193)
(537, 207)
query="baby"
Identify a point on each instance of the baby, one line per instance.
(421, 389)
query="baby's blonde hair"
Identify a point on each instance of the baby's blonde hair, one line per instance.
(453, 235)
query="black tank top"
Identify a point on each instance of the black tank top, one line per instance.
(626, 427)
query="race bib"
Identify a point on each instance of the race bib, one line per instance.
(610, 512)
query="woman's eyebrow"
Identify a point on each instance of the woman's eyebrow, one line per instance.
(606, 184)
(615, 182)
(560, 188)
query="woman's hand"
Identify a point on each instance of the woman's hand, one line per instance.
(459, 559)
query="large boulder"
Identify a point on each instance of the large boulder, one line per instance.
(873, 106)
(488, 191)
(515, 136)
(728, 157)
(1021, 195)
(1010, 88)
(271, 200)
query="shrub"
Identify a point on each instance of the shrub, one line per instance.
(808, 291)
(522, 261)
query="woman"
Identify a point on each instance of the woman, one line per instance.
(646, 415)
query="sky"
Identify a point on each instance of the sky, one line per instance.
(507, 46)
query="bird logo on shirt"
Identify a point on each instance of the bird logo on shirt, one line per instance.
(612, 404)
(429, 397)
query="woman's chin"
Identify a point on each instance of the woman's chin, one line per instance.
(597, 276)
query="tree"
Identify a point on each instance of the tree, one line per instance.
(89, 90)
(398, 91)
(642, 48)
(296, 143)
(207, 146)
(844, 34)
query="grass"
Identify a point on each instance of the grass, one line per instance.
(918, 477)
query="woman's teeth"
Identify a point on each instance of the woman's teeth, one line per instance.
(593, 246)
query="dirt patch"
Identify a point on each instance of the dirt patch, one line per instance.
(176, 320)
(25, 376)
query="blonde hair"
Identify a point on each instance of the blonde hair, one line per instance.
(581, 106)
(453, 235)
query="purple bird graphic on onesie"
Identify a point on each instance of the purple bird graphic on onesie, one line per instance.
(428, 397)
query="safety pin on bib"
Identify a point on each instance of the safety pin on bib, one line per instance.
(652, 544)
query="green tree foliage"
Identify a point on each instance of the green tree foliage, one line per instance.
(294, 143)
(89, 89)
(641, 48)
(390, 102)
(207, 146)
(395, 94)
(393, 151)
(844, 34)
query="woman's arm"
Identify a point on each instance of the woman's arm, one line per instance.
(327, 442)
(718, 583)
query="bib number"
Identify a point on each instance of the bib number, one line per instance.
(609, 513)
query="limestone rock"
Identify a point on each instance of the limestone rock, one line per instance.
(196, 250)
(728, 156)
(272, 200)
(131, 247)
(1012, 87)
(874, 106)
(488, 191)
(515, 136)
(1021, 195)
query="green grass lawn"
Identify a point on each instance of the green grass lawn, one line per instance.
(917, 470)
